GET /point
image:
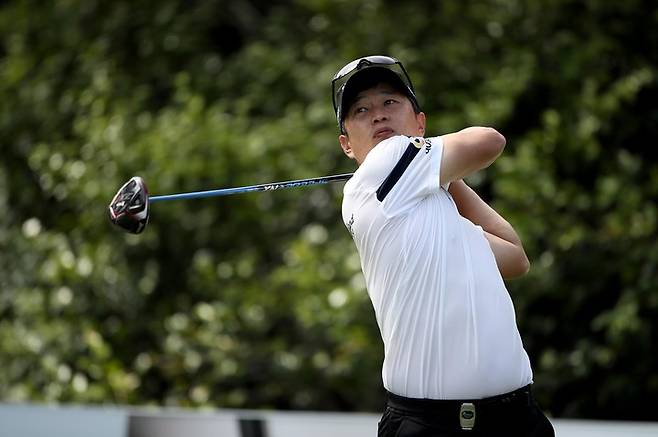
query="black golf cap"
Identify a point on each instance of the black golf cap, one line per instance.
(364, 73)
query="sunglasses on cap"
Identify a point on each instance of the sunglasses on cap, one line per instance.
(340, 80)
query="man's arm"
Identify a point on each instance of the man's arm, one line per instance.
(468, 151)
(503, 239)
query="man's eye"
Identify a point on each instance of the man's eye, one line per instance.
(360, 110)
(390, 101)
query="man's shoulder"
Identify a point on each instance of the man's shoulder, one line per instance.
(383, 158)
(379, 162)
(385, 148)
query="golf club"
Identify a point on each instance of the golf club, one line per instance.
(129, 208)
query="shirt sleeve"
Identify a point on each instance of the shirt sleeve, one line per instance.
(414, 176)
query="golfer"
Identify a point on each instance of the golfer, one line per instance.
(434, 256)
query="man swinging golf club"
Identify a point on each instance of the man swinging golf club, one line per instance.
(434, 256)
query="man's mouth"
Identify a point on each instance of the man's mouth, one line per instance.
(382, 132)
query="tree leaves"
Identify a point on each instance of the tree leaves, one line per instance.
(257, 300)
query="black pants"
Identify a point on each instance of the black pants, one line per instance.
(514, 414)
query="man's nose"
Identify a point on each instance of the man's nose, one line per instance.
(378, 115)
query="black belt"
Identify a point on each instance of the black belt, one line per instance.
(465, 409)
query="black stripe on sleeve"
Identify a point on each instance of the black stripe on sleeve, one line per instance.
(395, 175)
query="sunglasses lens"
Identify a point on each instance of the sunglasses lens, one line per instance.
(364, 62)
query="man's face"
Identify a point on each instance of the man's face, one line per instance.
(376, 114)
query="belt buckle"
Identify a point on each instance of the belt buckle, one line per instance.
(467, 416)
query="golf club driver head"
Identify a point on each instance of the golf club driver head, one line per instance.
(129, 208)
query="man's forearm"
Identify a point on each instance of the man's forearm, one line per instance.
(471, 206)
(503, 239)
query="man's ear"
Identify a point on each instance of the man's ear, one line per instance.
(421, 120)
(346, 145)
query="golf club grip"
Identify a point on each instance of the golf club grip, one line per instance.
(251, 188)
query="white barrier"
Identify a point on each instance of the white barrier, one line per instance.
(64, 421)
(81, 421)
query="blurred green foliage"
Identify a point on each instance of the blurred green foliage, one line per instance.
(257, 300)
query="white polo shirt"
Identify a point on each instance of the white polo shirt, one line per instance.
(446, 319)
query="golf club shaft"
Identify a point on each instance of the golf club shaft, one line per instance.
(248, 189)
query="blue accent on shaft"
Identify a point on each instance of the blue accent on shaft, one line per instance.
(251, 188)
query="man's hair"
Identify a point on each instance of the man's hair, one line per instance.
(368, 79)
